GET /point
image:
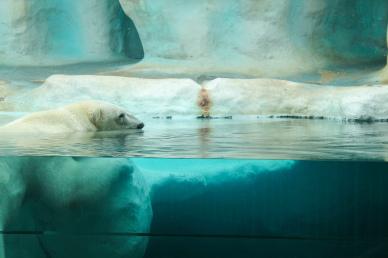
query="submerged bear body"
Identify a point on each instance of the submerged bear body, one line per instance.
(74, 205)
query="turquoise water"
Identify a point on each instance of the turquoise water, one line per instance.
(183, 187)
(152, 207)
(240, 137)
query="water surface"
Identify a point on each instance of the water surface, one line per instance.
(240, 137)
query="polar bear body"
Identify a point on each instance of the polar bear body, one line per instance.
(78, 202)
(79, 117)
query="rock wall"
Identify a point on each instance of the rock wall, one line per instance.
(44, 32)
(265, 38)
(249, 38)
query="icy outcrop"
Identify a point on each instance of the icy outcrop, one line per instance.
(277, 97)
(71, 196)
(139, 96)
(36, 32)
(259, 97)
(259, 38)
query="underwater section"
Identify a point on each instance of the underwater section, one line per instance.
(231, 208)
(114, 207)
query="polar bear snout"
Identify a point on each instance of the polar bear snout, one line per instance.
(128, 121)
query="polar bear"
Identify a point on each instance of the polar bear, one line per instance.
(73, 207)
(83, 116)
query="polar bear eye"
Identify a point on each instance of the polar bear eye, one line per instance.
(121, 118)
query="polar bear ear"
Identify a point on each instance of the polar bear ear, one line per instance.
(96, 116)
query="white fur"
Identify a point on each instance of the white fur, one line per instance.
(73, 196)
(83, 116)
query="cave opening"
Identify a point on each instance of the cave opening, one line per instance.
(354, 32)
(346, 33)
(131, 45)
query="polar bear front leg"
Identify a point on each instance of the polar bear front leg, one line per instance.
(86, 202)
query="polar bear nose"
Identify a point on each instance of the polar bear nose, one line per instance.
(140, 126)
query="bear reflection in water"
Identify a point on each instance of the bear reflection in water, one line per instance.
(80, 200)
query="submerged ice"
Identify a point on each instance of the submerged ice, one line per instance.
(272, 208)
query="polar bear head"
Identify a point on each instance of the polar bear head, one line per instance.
(105, 116)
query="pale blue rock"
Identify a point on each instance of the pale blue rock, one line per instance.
(259, 38)
(53, 32)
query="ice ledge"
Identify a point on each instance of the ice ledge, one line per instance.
(279, 97)
(259, 97)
